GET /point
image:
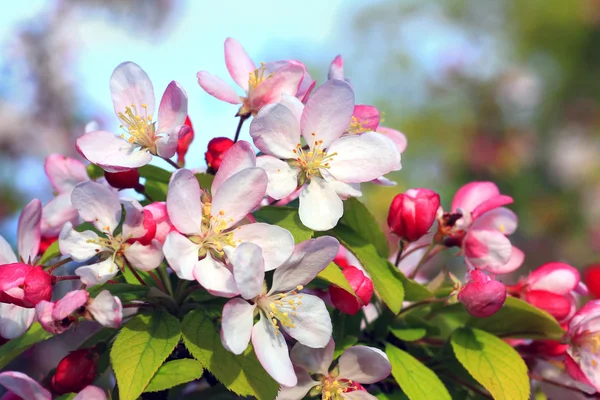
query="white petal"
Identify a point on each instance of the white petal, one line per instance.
(272, 352)
(7, 255)
(106, 309)
(277, 243)
(181, 254)
(111, 152)
(215, 277)
(80, 246)
(311, 359)
(312, 323)
(15, 320)
(362, 158)
(364, 364)
(29, 230)
(236, 326)
(97, 204)
(327, 113)
(320, 206)
(238, 62)
(358, 395)
(173, 110)
(248, 269)
(183, 202)
(305, 383)
(239, 157)
(294, 104)
(343, 190)
(97, 274)
(23, 386)
(166, 145)
(130, 85)
(309, 258)
(133, 226)
(91, 393)
(239, 195)
(56, 213)
(64, 172)
(501, 218)
(276, 131)
(144, 258)
(283, 179)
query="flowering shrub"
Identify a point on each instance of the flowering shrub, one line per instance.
(265, 276)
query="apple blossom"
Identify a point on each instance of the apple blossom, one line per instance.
(206, 224)
(160, 217)
(412, 213)
(481, 295)
(304, 317)
(357, 365)
(133, 100)
(361, 285)
(25, 388)
(101, 207)
(262, 85)
(331, 167)
(583, 357)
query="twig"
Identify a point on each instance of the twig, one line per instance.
(158, 281)
(419, 304)
(423, 260)
(137, 276)
(470, 386)
(559, 384)
(400, 250)
(239, 127)
(173, 163)
(58, 264)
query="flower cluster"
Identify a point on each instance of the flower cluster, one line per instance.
(254, 259)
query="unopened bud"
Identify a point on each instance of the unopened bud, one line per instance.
(482, 296)
(74, 372)
(217, 148)
(362, 286)
(412, 213)
(123, 180)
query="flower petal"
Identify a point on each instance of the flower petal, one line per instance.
(98, 273)
(112, 153)
(144, 258)
(469, 196)
(517, 257)
(70, 302)
(7, 255)
(283, 179)
(336, 69)
(311, 359)
(91, 393)
(216, 87)
(239, 157)
(183, 202)
(362, 158)
(295, 106)
(181, 254)
(23, 386)
(312, 323)
(80, 246)
(358, 395)
(131, 86)
(367, 116)
(555, 277)
(248, 269)
(309, 258)
(56, 213)
(276, 243)
(491, 204)
(97, 204)
(15, 320)
(166, 145)
(395, 136)
(215, 277)
(285, 80)
(64, 172)
(106, 309)
(276, 131)
(327, 113)
(238, 196)
(500, 218)
(272, 352)
(236, 326)
(299, 391)
(364, 364)
(487, 249)
(320, 206)
(344, 190)
(173, 109)
(239, 64)
(29, 231)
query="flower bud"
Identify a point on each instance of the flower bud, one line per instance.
(123, 180)
(362, 286)
(412, 213)
(24, 285)
(46, 242)
(184, 142)
(74, 372)
(591, 277)
(37, 286)
(482, 296)
(216, 150)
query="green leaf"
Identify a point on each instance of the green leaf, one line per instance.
(174, 373)
(124, 291)
(94, 171)
(492, 362)
(140, 348)
(342, 345)
(132, 280)
(67, 396)
(51, 252)
(286, 218)
(409, 334)
(241, 374)
(414, 378)
(156, 190)
(205, 180)
(334, 275)
(410, 328)
(395, 395)
(518, 319)
(413, 291)
(358, 218)
(154, 173)
(387, 284)
(9, 351)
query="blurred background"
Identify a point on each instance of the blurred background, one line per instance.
(484, 90)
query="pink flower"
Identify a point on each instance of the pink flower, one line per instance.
(412, 213)
(362, 286)
(133, 100)
(303, 316)
(356, 366)
(207, 231)
(332, 166)
(481, 295)
(583, 357)
(158, 210)
(26, 388)
(262, 86)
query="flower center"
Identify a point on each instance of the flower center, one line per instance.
(281, 307)
(257, 77)
(141, 129)
(333, 388)
(356, 126)
(312, 161)
(214, 233)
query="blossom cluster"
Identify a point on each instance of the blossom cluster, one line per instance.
(206, 236)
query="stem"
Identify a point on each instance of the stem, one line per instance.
(160, 284)
(420, 304)
(239, 127)
(409, 252)
(173, 163)
(422, 261)
(66, 278)
(58, 264)
(164, 277)
(400, 250)
(137, 276)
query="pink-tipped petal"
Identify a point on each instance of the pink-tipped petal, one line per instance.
(238, 63)
(56, 213)
(320, 206)
(23, 386)
(327, 113)
(69, 304)
(236, 325)
(172, 110)
(272, 352)
(181, 254)
(517, 257)
(106, 310)
(239, 157)
(112, 153)
(91, 393)
(500, 218)
(469, 196)
(276, 131)
(315, 361)
(395, 136)
(487, 250)
(312, 323)
(97, 204)
(64, 172)
(276, 243)
(15, 320)
(491, 204)
(248, 269)
(555, 304)
(215, 277)
(144, 258)
(216, 87)
(364, 364)
(284, 80)
(555, 277)
(183, 202)
(336, 69)
(283, 178)
(131, 86)
(29, 231)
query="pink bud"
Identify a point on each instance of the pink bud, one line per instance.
(123, 180)
(37, 286)
(557, 305)
(482, 296)
(75, 371)
(216, 150)
(362, 286)
(412, 213)
(161, 218)
(184, 142)
(591, 277)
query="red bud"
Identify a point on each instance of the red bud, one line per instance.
(123, 180)
(591, 277)
(184, 142)
(412, 213)
(482, 296)
(37, 286)
(557, 305)
(362, 286)
(216, 150)
(74, 372)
